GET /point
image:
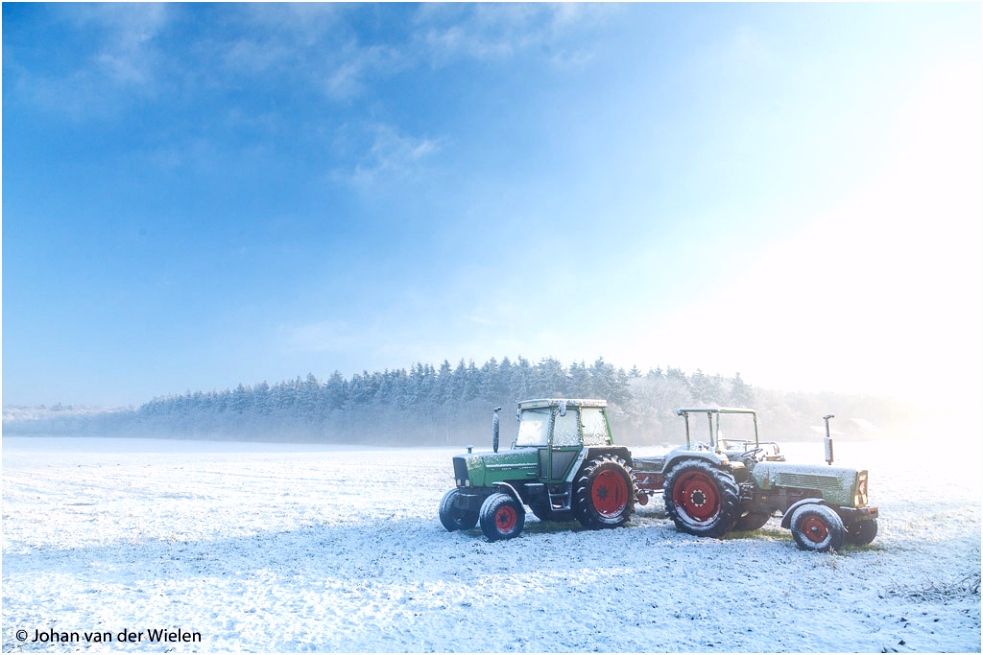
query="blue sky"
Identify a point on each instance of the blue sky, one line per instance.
(200, 195)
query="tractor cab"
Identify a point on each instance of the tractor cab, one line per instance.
(563, 465)
(560, 430)
(559, 423)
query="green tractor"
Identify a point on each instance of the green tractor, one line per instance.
(563, 465)
(719, 485)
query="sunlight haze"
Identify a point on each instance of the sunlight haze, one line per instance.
(199, 195)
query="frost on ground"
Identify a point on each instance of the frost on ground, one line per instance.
(318, 548)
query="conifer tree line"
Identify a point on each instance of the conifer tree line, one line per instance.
(436, 406)
(424, 405)
(452, 405)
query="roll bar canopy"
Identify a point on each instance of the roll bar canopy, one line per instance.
(713, 418)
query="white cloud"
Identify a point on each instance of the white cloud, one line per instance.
(390, 154)
(500, 31)
(350, 75)
(125, 62)
(303, 24)
(312, 43)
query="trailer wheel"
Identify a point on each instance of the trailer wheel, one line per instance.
(454, 518)
(861, 533)
(751, 521)
(701, 499)
(605, 493)
(817, 527)
(501, 517)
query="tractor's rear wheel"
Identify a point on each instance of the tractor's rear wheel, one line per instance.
(861, 533)
(501, 517)
(817, 527)
(605, 493)
(751, 521)
(454, 518)
(701, 499)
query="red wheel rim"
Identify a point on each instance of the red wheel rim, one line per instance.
(696, 494)
(506, 518)
(609, 493)
(815, 529)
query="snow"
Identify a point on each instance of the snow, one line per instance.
(262, 547)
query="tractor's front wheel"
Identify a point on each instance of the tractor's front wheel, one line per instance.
(701, 499)
(501, 517)
(861, 533)
(817, 527)
(454, 518)
(604, 495)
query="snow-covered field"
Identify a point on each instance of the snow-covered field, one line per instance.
(262, 547)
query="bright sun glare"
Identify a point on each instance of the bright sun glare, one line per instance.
(882, 294)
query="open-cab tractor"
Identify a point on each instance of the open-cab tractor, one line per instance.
(564, 465)
(712, 487)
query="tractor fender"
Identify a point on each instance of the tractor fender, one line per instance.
(675, 457)
(577, 463)
(591, 452)
(508, 489)
(596, 451)
(787, 517)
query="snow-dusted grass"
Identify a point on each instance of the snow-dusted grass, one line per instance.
(316, 548)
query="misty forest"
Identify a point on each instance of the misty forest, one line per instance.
(452, 406)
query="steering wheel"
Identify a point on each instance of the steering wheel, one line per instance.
(752, 453)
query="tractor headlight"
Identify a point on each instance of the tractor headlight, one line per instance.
(860, 499)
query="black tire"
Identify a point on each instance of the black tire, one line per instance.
(455, 518)
(701, 499)
(751, 521)
(818, 528)
(501, 517)
(861, 533)
(604, 495)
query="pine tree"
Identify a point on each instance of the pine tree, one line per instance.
(549, 379)
(444, 388)
(741, 393)
(581, 384)
(521, 383)
(336, 391)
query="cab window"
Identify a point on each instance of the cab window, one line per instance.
(566, 429)
(534, 427)
(595, 427)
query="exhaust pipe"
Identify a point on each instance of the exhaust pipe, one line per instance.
(495, 429)
(828, 441)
